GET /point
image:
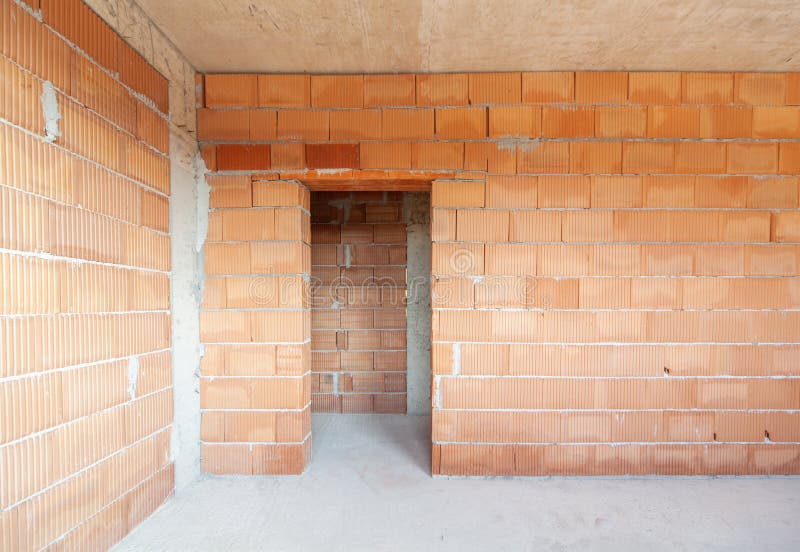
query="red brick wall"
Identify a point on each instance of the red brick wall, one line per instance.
(85, 377)
(615, 255)
(358, 317)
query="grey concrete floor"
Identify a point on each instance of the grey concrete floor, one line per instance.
(369, 489)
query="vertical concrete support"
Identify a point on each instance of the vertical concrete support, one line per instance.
(416, 210)
(187, 229)
(255, 323)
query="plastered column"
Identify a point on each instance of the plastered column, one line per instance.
(416, 207)
(188, 223)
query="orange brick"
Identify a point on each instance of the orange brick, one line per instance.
(511, 191)
(792, 88)
(355, 124)
(230, 191)
(654, 88)
(446, 89)
(238, 157)
(389, 90)
(700, 157)
(564, 191)
(587, 226)
(616, 191)
(789, 158)
(454, 193)
(721, 192)
(332, 156)
(548, 87)
(495, 88)
(209, 155)
(760, 88)
(473, 225)
(601, 87)
(668, 191)
(263, 124)
(226, 90)
(752, 158)
(744, 226)
(544, 157)
(707, 88)
(337, 91)
(620, 122)
(224, 326)
(284, 90)
(776, 122)
(726, 122)
(229, 125)
(443, 225)
(766, 193)
(303, 124)
(460, 259)
(666, 121)
(288, 155)
(386, 155)
(248, 224)
(517, 121)
(567, 122)
(786, 227)
(437, 155)
(648, 157)
(535, 226)
(595, 157)
(461, 123)
(408, 124)
(227, 258)
(494, 157)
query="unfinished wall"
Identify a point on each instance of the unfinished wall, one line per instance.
(615, 255)
(255, 388)
(358, 316)
(85, 377)
(187, 189)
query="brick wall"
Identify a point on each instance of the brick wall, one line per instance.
(85, 377)
(615, 255)
(255, 387)
(358, 317)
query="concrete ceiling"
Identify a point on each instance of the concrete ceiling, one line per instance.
(371, 36)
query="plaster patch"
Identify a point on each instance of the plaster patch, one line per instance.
(50, 111)
(456, 358)
(133, 375)
(348, 256)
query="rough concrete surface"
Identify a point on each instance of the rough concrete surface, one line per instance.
(417, 214)
(187, 176)
(369, 488)
(357, 36)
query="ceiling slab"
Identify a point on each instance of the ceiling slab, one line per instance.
(375, 36)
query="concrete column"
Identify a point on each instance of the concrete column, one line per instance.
(416, 208)
(188, 221)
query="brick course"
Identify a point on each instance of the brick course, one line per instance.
(614, 259)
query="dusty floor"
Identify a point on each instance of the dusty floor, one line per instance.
(369, 489)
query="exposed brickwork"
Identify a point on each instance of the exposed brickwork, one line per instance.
(85, 376)
(615, 256)
(358, 317)
(255, 390)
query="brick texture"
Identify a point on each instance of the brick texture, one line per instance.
(85, 375)
(358, 317)
(615, 262)
(255, 323)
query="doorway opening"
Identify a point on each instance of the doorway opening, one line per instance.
(370, 302)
